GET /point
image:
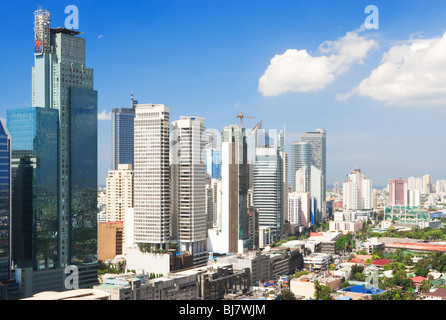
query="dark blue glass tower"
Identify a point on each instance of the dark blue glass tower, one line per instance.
(34, 186)
(123, 124)
(4, 202)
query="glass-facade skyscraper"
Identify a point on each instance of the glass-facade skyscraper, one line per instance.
(54, 163)
(4, 202)
(34, 186)
(318, 141)
(123, 120)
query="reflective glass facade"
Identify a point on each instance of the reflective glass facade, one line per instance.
(34, 133)
(123, 142)
(83, 178)
(4, 202)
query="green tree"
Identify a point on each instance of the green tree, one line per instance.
(425, 286)
(286, 295)
(422, 267)
(321, 292)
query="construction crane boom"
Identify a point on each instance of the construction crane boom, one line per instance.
(241, 117)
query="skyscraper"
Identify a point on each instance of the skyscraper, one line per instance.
(231, 234)
(318, 140)
(123, 134)
(55, 161)
(152, 215)
(268, 190)
(188, 178)
(301, 152)
(5, 204)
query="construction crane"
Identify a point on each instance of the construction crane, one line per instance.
(241, 117)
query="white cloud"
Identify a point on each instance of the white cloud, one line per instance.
(298, 71)
(410, 74)
(104, 116)
(100, 36)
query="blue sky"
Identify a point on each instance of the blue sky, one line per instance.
(206, 58)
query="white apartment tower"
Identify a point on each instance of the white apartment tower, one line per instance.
(357, 191)
(188, 177)
(152, 216)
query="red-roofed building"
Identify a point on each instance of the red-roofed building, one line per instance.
(358, 261)
(417, 280)
(381, 262)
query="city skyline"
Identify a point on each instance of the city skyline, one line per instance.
(215, 60)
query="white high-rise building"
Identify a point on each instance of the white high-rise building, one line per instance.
(299, 208)
(357, 191)
(268, 189)
(414, 198)
(152, 216)
(440, 186)
(294, 208)
(188, 178)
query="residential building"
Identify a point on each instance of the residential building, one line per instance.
(119, 193)
(299, 208)
(357, 191)
(398, 192)
(427, 183)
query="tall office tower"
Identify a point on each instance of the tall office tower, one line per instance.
(398, 192)
(284, 157)
(318, 140)
(152, 216)
(5, 203)
(301, 160)
(123, 134)
(268, 190)
(213, 163)
(231, 234)
(427, 183)
(61, 164)
(188, 177)
(357, 191)
(34, 187)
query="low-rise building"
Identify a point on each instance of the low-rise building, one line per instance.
(79, 294)
(317, 261)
